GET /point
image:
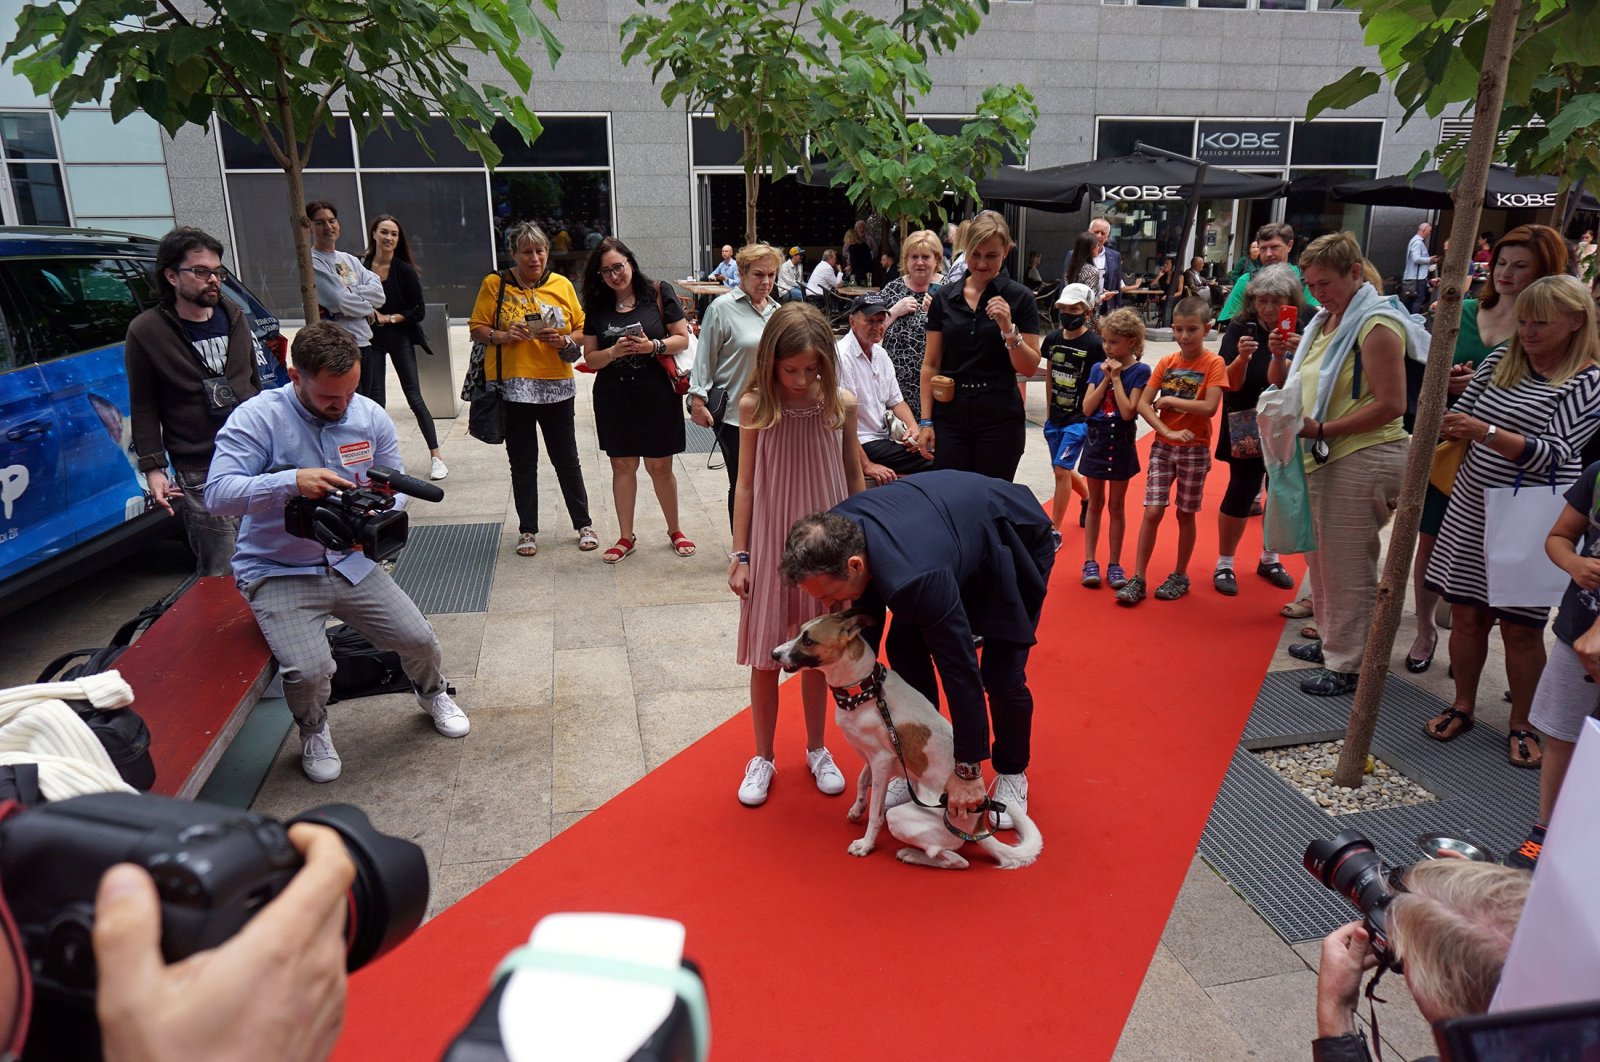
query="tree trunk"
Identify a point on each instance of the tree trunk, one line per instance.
(1468, 197)
(752, 187)
(295, 171)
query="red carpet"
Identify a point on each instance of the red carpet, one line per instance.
(809, 953)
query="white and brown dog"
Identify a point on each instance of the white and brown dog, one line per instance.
(833, 645)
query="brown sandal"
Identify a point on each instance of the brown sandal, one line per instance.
(681, 544)
(1519, 755)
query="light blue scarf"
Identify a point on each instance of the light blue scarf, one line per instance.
(1364, 306)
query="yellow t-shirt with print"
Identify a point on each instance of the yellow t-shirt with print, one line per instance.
(1342, 404)
(529, 359)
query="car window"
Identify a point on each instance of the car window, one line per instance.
(69, 305)
(10, 357)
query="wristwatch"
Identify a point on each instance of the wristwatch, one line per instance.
(1488, 436)
(969, 772)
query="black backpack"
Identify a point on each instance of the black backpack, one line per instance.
(361, 669)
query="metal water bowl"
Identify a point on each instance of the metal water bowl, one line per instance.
(1441, 846)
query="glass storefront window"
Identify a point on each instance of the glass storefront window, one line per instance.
(264, 243)
(1313, 214)
(329, 150)
(91, 136)
(573, 209)
(445, 217)
(36, 187)
(103, 191)
(1118, 135)
(567, 140)
(396, 148)
(1336, 143)
(27, 135)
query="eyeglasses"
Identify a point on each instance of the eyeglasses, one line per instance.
(204, 273)
(613, 271)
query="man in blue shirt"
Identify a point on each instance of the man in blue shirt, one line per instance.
(309, 440)
(1414, 281)
(727, 269)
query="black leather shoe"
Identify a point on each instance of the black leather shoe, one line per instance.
(1275, 574)
(1223, 579)
(1310, 652)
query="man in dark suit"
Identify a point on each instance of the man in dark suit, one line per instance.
(1108, 260)
(951, 555)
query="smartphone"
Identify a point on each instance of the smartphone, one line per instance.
(1287, 318)
(635, 329)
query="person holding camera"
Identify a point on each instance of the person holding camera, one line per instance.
(189, 361)
(310, 440)
(1451, 929)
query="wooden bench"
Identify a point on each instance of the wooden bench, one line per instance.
(196, 673)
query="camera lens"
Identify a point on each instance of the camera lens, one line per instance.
(1348, 864)
(390, 893)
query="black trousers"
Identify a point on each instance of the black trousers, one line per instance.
(728, 436)
(982, 431)
(892, 455)
(399, 349)
(372, 368)
(1003, 666)
(524, 422)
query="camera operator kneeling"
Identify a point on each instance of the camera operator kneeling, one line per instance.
(310, 440)
(1450, 928)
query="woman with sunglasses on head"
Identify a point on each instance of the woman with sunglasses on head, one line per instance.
(1527, 413)
(397, 330)
(630, 323)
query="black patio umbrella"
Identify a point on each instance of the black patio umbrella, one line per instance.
(1061, 189)
(1506, 190)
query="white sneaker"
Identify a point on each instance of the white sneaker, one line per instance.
(897, 793)
(757, 778)
(448, 718)
(318, 758)
(829, 780)
(438, 469)
(1012, 791)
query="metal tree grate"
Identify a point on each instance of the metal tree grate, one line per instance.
(1260, 825)
(449, 567)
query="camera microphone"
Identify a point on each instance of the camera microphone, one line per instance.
(401, 483)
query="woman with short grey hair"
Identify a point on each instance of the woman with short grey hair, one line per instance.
(528, 318)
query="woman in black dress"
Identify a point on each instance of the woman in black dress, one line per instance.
(397, 331)
(630, 321)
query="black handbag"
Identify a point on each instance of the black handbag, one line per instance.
(486, 414)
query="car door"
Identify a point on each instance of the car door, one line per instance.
(34, 522)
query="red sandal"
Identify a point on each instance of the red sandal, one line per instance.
(681, 544)
(623, 547)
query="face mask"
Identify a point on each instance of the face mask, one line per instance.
(1073, 321)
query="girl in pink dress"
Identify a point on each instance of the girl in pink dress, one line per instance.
(797, 459)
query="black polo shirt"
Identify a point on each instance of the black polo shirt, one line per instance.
(973, 347)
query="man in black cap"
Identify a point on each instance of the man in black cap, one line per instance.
(887, 452)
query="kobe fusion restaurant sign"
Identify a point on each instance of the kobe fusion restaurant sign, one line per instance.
(1243, 143)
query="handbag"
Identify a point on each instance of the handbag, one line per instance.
(486, 414)
(1287, 526)
(1447, 458)
(1516, 523)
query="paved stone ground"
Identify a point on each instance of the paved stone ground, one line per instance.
(583, 676)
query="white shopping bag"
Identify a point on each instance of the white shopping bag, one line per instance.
(1517, 520)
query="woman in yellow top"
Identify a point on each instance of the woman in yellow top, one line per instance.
(1350, 368)
(531, 347)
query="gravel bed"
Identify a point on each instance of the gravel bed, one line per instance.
(1309, 768)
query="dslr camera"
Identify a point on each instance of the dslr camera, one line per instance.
(214, 868)
(1348, 864)
(363, 517)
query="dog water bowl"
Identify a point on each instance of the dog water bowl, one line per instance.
(1438, 845)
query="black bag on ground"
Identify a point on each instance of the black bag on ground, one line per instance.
(361, 669)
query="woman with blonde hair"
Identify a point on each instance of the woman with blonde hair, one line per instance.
(959, 241)
(798, 459)
(907, 297)
(1528, 412)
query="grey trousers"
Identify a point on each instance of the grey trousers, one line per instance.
(211, 537)
(293, 612)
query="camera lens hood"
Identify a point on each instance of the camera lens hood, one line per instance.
(390, 893)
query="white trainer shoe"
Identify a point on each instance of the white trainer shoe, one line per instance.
(438, 469)
(448, 718)
(1012, 791)
(829, 780)
(897, 793)
(318, 758)
(757, 779)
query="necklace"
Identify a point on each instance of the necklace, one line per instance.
(624, 305)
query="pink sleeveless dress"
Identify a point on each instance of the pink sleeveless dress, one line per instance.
(799, 471)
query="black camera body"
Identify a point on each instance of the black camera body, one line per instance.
(360, 518)
(214, 867)
(1348, 864)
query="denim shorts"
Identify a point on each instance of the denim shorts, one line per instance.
(1066, 443)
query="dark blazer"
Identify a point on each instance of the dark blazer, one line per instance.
(403, 294)
(956, 554)
(1113, 277)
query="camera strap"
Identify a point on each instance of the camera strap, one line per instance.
(1372, 1010)
(13, 967)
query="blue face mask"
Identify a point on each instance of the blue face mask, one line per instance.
(1073, 321)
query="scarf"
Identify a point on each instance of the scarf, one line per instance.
(1365, 305)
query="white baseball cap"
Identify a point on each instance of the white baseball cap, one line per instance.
(1077, 295)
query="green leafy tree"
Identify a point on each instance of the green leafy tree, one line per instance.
(274, 69)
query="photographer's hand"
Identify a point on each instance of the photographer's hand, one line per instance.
(1345, 957)
(319, 482)
(275, 991)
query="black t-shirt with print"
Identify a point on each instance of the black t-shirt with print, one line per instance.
(1579, 607)
(606, 324)
(1069, 362)
(210, 340)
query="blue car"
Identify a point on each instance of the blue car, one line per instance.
(69, 490)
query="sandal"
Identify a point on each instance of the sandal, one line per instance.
(587, 539)
(680, 544)
(1520, 756)
(623, 547)
(1296, 609)
(1438, 726)
(526, 546)
(1310, 631)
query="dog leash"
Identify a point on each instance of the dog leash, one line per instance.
(849, 698)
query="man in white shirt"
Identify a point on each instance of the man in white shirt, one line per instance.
(791, 278)
(1414, 281)
(825, 277)
(866, 371)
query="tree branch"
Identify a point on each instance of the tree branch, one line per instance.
(231, 76)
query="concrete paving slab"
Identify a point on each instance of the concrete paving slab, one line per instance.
(684, 647)
(501, 803)
(597, 748)
(1173, 1018)
(1275, 1016)
(1218, 938)
(672, 720)
(454, 880)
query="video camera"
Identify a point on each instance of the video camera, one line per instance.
(214, 868)
(1347, 863)
(363, 517)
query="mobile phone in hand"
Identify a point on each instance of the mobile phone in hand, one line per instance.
(1287, 318)
(634, 329)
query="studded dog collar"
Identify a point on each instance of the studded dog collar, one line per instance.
(849, 698)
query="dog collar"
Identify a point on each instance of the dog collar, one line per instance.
(849, 698)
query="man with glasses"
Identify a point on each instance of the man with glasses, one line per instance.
(348, 293)
(190, 360)
(1275, 240)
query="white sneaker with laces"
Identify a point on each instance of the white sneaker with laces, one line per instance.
(829, 780)
(1012, 791)
(318, 758)
(897, 793)
(757, 779)
(438, 469)
(448, 718)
